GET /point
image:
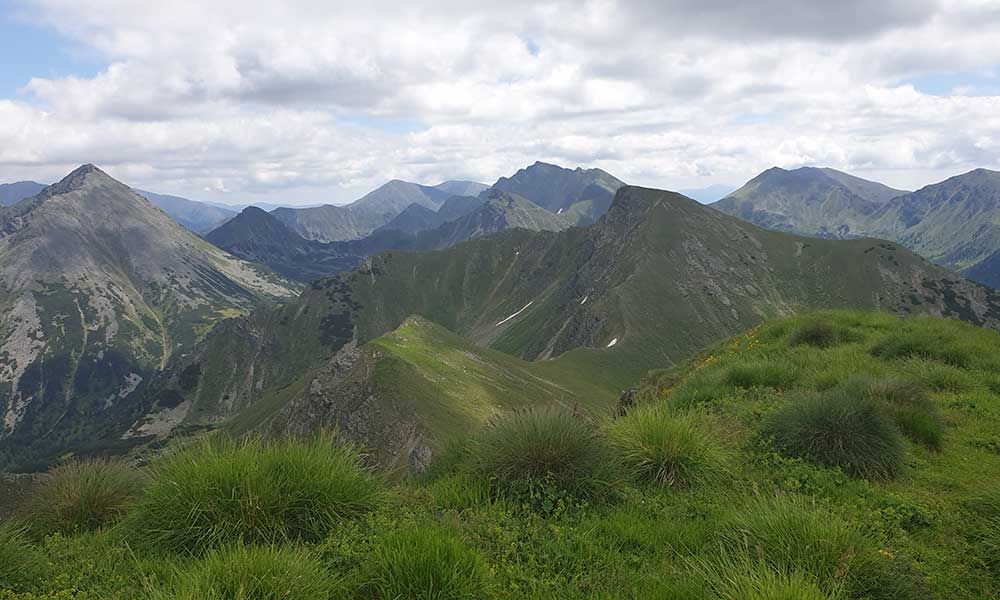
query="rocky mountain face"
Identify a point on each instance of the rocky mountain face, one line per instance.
(100, 289)
(198, 217)
(584, 195)
(810, 201)
(658, 277)
(955, 223)
(11, 193)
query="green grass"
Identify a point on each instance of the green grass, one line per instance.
(83, 495)
(838, 428)
(543, 450)
(251, 491)
(426, 564)
(662, 447)
(241, 572)
(680, 497)
(21, 564)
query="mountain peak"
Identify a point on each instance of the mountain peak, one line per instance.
(76, 179)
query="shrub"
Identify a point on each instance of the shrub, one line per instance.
(922, 342)
(816, 333)
(252, 491)
(83, 495)
(838, 429)
(667, 449)
(20, 562)
(790, 535)
(426, 564)
(542, 451)
(243, 572)
(910, 407)
(761, 373)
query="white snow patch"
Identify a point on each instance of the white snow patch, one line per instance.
(515, 314)
(559, 212)
(612, 343)
(584, 301)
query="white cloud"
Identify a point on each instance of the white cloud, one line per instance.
(313, 101)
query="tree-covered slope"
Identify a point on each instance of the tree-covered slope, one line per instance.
(99, 289)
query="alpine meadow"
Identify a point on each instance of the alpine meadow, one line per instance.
(463, 301)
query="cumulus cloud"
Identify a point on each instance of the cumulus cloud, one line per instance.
(318, 101)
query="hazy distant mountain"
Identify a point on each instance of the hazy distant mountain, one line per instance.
(809, 200)
(199, 217)
(462, 188)
(584, 195)
(13, 192)
(99, 289)
(413, 219)
(656, 278)
(707, 195)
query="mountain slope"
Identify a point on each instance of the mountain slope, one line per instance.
(199, 217)
(810, 201)
(656, 278)
(462, 188)
(557, 189)
(100, 289)
(11, 193)
(330, 223)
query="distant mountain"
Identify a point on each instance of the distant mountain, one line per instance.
(414, 218)
(100, 289)
(658, 277)
(462, 188)
(810, 201)
(13, 192)
(583, 194)
(199, 217)
(955, 223)
(707, 195)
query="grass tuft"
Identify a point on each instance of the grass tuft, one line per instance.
(668, 449)
(911, 408)
(83, 495)
(241, 572)
(761, 373)
(258, 492)
(817, 333)
(426, 564)
(922, 342)
(541, 450)
(20, 563)
(838, 428)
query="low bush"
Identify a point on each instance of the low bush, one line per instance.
(21, 564)
(669, 449)
(252, 491)
(243, 572)
(838, 428)
(543, 453)
(426, 564)
(82, 495)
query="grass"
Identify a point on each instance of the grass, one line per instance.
(83, 495)
(252, 491)
(544, 450)
(241, 572)
(21, 564)
(838, 429)
(678, 498)
(426, 564)
(658, 446)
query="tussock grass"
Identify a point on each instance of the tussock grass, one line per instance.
(818, 333)
(738, 576)
(544, 450)
(258, 492)
(761, 373)
(911, 408)
(241, 572)
(838, 428)
(426, 564)
(666, 448)
(83, 495)
(923, 342)
(21, 564)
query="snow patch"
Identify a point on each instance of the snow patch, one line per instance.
(559, 212)
(515, 314)
(584, 301)
(612, 343)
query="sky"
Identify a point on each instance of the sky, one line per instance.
(308, 101)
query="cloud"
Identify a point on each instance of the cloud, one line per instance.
(319, 101)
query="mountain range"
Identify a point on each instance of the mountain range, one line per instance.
(99, 290)
(955, 223)
(412, 347)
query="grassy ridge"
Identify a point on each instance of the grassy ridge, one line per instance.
(697, 492)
